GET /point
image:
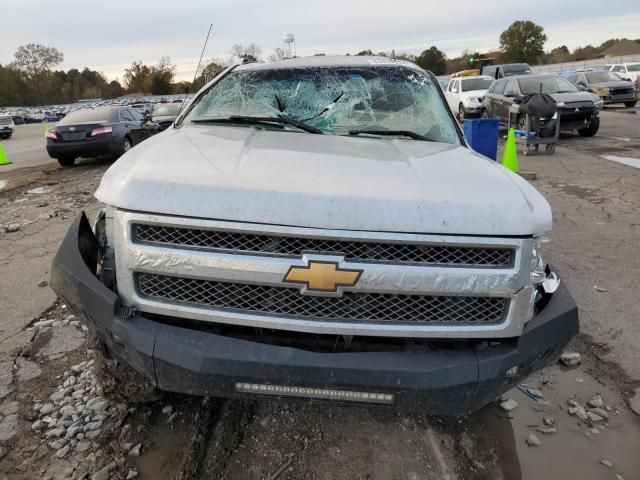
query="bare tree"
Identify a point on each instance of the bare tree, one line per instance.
(278, 54)
(249, 51)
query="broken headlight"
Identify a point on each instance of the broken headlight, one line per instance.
(538, 267)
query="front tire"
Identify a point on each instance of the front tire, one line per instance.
(66, 161)
(630, 104)
(6, 136)
(461, 112)
(126, 145)
(484, 113)
(592, 129)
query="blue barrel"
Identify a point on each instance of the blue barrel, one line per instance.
(482, 135)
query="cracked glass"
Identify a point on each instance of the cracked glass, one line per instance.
(334, 100)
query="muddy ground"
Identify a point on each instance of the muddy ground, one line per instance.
(100, 435)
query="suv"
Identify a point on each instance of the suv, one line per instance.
(318, 228)
(579, 110)
(6, 126)
(607, 85)
(464, 95)
(506, 70)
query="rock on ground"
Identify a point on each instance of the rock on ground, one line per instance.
(508, 405)
(570, 359)
(27, 369)
(8, 427)
(533, 441)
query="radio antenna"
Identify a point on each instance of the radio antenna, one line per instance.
(195, 75)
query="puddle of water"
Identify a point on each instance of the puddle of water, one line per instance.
(631, 162)
(569, 453)
(163, 458)
(577, 191)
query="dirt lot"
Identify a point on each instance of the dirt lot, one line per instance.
(49, 380)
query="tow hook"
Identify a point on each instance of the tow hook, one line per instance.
(127, 312)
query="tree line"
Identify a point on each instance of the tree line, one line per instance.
(31, 80)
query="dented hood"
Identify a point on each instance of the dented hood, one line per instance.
(323, 181)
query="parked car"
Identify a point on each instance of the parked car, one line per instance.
(50, 117)
(464, 95)
(143, 108)
(6, 126)
(33, 118)
(607, 85)
(318, 228)
(579, 110)
(18, 119)
(506, 70)
(627, 71)
(165, 113)
(95, 132)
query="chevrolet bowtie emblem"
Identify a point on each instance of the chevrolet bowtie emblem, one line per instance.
(322, 276)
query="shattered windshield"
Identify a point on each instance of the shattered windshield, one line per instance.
(333, 100)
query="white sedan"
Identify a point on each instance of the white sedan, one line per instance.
(464, 95)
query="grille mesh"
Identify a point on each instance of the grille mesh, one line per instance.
(352, 306)
(351, 250)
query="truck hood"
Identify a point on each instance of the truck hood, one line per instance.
(612, 84)
(323, 181)
(575, 97)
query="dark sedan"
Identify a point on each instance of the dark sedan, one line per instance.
(608, 86)
(578, 110)
(95, 132)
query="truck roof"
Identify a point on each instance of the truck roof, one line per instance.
(320, 61)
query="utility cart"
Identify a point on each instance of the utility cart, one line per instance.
(531, 132)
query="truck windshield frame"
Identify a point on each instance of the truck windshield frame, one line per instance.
(334, 100)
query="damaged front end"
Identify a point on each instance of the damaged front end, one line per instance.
(420, 375)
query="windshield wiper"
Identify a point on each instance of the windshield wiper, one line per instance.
(403, 133)
(247, 120)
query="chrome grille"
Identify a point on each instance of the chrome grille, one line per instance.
(352, 306)
(353, 250)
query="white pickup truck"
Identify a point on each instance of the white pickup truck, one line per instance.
(318, 228)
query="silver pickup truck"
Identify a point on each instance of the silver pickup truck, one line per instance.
(318, 228)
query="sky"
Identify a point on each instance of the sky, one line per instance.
(108, 36)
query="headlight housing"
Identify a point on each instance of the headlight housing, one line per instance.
(599, 104)
(538, 272)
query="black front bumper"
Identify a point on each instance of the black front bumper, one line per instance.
(444, 381)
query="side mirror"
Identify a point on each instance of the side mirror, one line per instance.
(510, 93)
